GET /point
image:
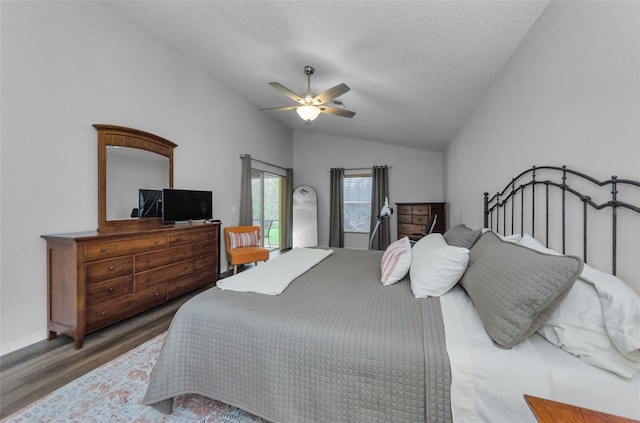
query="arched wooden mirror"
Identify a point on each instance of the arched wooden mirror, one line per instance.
(130, 160)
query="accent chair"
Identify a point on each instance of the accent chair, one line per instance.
(242, 245)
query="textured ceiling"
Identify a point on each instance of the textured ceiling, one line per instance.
(416, 69)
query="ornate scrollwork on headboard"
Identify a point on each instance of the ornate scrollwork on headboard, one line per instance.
(501, 207)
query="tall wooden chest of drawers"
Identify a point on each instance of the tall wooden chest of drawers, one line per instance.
(413, 217)
(97, 279)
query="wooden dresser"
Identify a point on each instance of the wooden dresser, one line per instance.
(97, 279)
(413, 217)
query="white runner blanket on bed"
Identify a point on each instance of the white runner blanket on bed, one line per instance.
(275, 275)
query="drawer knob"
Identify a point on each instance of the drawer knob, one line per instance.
(112, 289)
(147, 261)
(104, 249)
(147, 280)
(157, 294)
(111, 268)
(104, 313)
(178, 286)
(156, 242)
(178, 239)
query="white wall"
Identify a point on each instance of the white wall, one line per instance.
(67, 65)
(415, 175)
(570, 94)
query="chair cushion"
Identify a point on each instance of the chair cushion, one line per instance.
(247, 255)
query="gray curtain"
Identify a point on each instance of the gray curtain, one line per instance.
(379, 191)
(288, 234)
(246, 204)
(336, 227)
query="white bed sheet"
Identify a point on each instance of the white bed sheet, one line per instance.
(488, 383)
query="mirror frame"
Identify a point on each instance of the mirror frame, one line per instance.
(111, 135)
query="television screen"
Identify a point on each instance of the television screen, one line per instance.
(181, 204)
(149, 203)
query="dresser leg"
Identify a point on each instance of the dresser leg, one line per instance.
(78, 342)
(52, 335)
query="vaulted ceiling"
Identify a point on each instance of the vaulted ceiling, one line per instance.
(416, 69)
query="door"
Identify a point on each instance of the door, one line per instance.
(267, 191)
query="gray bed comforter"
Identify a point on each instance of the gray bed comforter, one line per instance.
(335, 346)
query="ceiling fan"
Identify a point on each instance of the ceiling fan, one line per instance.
(311, 105)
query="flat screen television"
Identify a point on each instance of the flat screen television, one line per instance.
(149, 203)
(179, 205)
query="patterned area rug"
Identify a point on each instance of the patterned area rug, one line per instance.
(114, 392)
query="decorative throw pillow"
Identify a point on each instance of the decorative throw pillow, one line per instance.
(461, 236)
(243, 239)
(515, 289)
(396, 261)
(435, 266)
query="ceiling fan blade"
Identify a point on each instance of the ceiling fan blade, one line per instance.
(330, 94)
(337, 112)
(282, 108)
(286, 91)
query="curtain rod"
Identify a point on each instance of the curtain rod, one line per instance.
(360, 168)
(242, 156)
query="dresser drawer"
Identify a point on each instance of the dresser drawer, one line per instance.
(108, 290)
(410, 229)
(111, 311)
(404, 209)
(420, 219)
(106, 249)
(108, 269)
(405, 218)
(184, 285)
(162, 275)
(204, 248)
(155, 259)
(188, 237)
(421, 209)
(205, 262)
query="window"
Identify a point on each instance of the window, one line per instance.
(357, 203)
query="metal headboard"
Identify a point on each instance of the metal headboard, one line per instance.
(497, 207)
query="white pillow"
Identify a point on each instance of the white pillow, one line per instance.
(577, 327)
(396, 261)
(515, 238)
(530, 242)
(597, 321)
(620, 310)
(436, 266)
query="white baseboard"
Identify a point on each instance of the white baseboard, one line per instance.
(12, 346)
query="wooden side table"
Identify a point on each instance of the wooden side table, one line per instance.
(548, 411)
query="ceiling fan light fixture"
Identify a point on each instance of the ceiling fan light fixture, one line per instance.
(308, 113)
(310, 105)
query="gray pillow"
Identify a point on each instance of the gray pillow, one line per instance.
(515, 289)
(461, 236)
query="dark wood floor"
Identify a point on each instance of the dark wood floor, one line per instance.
(29, 374)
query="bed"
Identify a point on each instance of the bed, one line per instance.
(338, 346)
